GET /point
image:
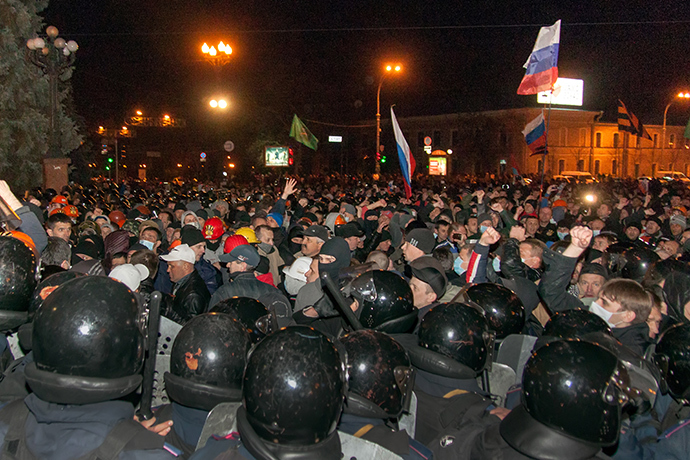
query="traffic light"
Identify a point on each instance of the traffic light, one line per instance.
(291, 157)
(110, 159)
(383, 159)
(378, 156)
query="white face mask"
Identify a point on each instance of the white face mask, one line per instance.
(595, 233)
(458, 266)
(148, 244)
(496, 263)
(603, 313)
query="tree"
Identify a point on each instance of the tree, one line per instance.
(24, 99)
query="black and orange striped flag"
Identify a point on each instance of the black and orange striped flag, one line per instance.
(627, 121)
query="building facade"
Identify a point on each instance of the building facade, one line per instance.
(492, 142)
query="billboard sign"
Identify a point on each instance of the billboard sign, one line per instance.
(567, 91)
(437, 166)
(276, 155)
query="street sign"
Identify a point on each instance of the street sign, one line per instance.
(229, 146)
(427, 140)
(335, 138)
(203, 156)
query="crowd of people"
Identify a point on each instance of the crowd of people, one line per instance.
(479, 318)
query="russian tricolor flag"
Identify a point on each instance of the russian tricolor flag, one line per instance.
(407, 163)
(542, 65)
(535, 135)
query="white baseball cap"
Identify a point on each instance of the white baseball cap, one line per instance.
(130, 275)
(181, 252)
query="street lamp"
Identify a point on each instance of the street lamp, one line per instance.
(389, 68)
(218, 104)
(53, 55)
(681, 95)
(219, 56)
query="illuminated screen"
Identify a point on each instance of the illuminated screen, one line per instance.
(437, 166)
(567, 91)
(276, 156)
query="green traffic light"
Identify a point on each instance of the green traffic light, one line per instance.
(107, 168)
(383, 160)
(110, 160)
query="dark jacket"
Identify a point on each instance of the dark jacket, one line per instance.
(553, 287)
(547, 233)
(635, 337)
(376, 431)
(511, 264)
(69, 431)
(187, 426)
(245, 284)
(190, 299)
(208, 273)
(477, 442)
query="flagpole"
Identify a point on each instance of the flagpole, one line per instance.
(546, 149)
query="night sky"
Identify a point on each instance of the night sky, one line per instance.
(319, 58)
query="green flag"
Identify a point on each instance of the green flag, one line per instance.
(301, 133)
(687, 131)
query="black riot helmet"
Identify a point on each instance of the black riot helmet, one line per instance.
(458, 331)
(638, 260)
(385, 302)
(379, 375)
(88, 343)
(574, 324)
(676, 294)
(576, 388)
(251, 313)
(672, 355)
(614, 257)
(207, 361)
(504, 309)
(294, 387)
(18, 278)
(47, 286)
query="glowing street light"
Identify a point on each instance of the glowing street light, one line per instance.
(140, 113)
(218, 104)
(389, 68)
(217, 56)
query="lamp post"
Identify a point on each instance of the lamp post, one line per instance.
(217, 56)
(53, 55)
(389, 68)
(680, 95)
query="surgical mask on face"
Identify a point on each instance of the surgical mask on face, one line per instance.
(595, 233)
(148, 244)
(265, 247)
(602, 313)
(457, 266)
(496, 264)
(562, 235)
(483, 228)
